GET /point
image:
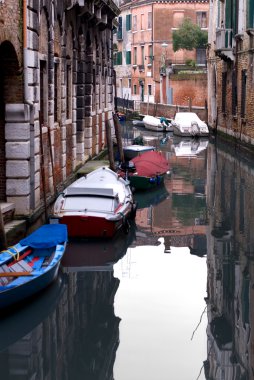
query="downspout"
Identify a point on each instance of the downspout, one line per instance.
(31, 107)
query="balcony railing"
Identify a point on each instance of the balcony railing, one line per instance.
(224, 43)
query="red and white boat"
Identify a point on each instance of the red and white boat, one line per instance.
(96, 205)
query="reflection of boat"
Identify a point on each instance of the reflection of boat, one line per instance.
(189, 124)
(156, 123)
(18, 322)
(131, 151)
(146, 171)
(190, 147)
(151, 198)
(96, 255)
(32, 264)
(96, 205)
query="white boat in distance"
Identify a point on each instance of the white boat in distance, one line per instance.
(96, 205)
(158, 124)
(189, 124)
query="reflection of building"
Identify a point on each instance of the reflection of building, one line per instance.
(230, 301)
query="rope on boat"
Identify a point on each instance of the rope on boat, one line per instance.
(14, 255)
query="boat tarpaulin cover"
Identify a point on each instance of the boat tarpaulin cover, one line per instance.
(46, 236)
(150, 164)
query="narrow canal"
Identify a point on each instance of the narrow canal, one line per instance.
(173, 299)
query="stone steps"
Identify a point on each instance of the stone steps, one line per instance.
(14, 228)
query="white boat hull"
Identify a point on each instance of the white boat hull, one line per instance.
(96, 205)
(153, 124)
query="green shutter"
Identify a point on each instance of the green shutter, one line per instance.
(250, 14)
(120, 30)
(128, 22)
(119, 58)
(128, 57)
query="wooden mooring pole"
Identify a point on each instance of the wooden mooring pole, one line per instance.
(110, 146)
(118, 137)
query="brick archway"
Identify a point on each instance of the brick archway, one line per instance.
(10, 92)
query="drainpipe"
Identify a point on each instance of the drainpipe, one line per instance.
(30, 104)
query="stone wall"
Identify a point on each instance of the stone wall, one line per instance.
(59, 95)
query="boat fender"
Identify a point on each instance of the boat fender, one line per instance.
(152, 180)
(133, 210)
(158, 180)
(125, 224)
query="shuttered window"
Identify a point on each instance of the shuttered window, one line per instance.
(120, 29)
(128, 57)
(250, 14)
(128, 22)
(243, 97)
(234, 93)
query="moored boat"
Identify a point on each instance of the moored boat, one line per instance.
(188, 124)
(158, 124)
(146, 171)
(95, 205)
(32, 264)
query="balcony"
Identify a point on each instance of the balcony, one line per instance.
(225, 44)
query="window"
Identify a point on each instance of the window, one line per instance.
(149, 89)
(128, 57)
(142, 22)
(43, 94)
(135, 55)
(135, 89)
(142, 55)
(134, 23)
(243, 97)
(201, 56)
(68, 91)
(234, 93)
(119, 59)
(224, 92)
(120, 30)
(129, 82)
(149, 25)
(250, 14)
(128, 22)
(57, 87)
(150, 54)
(202, 19)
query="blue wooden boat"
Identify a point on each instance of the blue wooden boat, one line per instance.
(32, 264)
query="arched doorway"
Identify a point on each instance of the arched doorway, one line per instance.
(10, 92)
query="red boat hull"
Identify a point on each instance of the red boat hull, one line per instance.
(87, 226)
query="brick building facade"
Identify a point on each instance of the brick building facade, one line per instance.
(231, 69)
(151, 49)
(56, 94)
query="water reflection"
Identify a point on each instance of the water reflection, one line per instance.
(70, 331)
(230, 265)
(173, 299)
